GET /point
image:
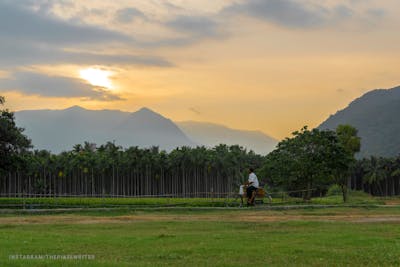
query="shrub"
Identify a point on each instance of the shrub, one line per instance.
(334, 190)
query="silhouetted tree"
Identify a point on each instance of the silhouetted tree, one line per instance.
(12, 140)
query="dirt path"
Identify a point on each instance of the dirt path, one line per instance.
(234, 217)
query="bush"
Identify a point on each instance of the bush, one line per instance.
(334, 190)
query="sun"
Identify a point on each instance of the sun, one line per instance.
(97, 77)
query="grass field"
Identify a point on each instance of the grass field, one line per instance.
(303, 237)
(355, 198)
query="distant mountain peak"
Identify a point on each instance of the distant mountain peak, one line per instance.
(76, 107)
(145, 109)
(60, 130)
(374, 114)
(145, 112)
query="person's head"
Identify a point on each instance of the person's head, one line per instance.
(251, 170)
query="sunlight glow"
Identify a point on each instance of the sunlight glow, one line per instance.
(97, 77)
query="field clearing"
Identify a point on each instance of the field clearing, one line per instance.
(303, 237)
(258, 216)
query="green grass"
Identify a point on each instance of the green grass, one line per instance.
(205, 243)
(299, 211)
(106, 202)
(355, 198)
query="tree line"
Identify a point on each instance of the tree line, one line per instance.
(377, 176)
(309, 160)
(114, 171)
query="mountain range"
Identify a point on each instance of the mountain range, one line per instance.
(213, 134)
(60, 130)
(376, 116)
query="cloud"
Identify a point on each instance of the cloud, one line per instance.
(198, 26)
(127, 15)
(376, 12)
(17, 54)
(30, 38)
(194, 110)
(342, 12)
(288, 13)
(33, 83)
(188, 29)
(21, 24)
(295, 13)
(35, 35)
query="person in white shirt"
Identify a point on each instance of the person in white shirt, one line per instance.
(252, 184)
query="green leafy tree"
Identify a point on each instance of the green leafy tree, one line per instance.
(375, 173)
(306, 160)
(12, 140)
(351, 143)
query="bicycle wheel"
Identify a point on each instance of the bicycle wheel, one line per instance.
(233, 200)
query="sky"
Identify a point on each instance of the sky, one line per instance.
(269, 65)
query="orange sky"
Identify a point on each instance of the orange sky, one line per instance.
(262, 64)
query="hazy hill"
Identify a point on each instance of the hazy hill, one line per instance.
(59, 130)
(210, 134)
(376, 116)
